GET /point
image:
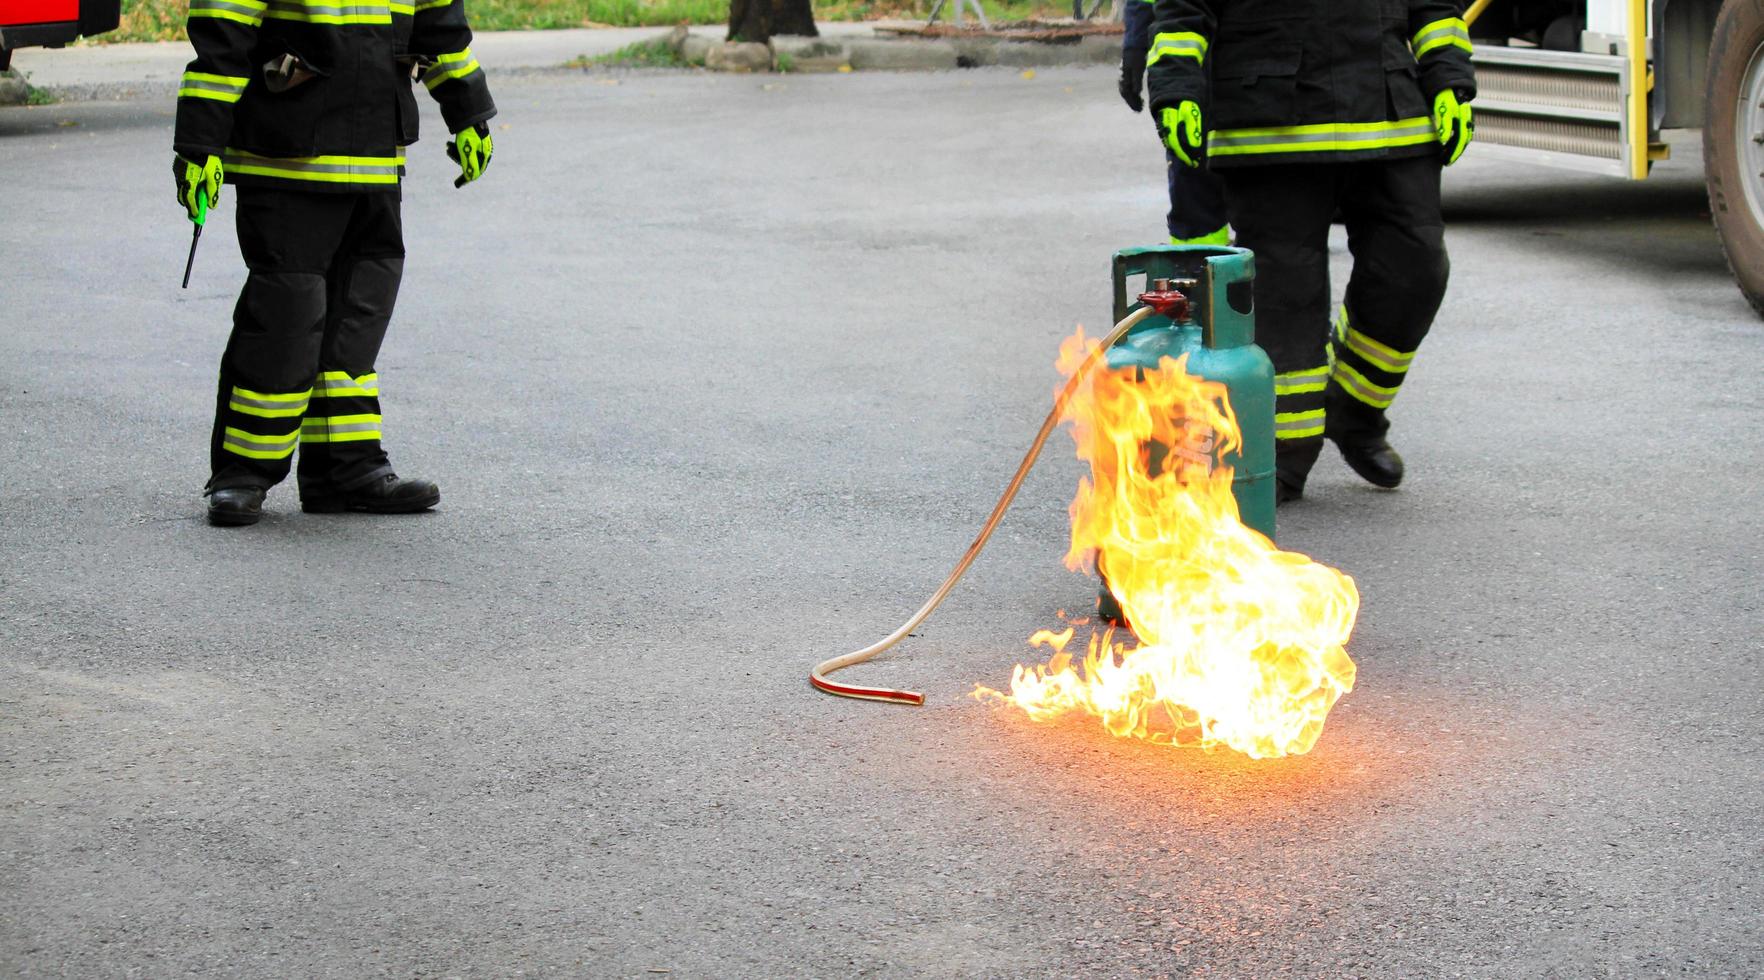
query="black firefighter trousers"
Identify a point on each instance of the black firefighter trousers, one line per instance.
(299, 367)
(1339, 378)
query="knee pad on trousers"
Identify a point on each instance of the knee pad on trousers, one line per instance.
(1292, 304)
(1399, 281)
(363, 309)
(277, 327)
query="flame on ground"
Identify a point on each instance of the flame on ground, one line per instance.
(1239, 643)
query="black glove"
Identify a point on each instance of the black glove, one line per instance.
(1133, 78)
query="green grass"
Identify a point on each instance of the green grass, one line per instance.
(643, 54)
(163, 20)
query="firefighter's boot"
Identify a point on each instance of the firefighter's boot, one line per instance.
(235, 506)
(1358, 431)
(387, 494)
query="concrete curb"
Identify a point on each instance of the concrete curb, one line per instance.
(152, 69)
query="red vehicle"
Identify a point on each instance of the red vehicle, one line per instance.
(52, 23)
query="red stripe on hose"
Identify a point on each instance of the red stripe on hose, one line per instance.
(871, 693)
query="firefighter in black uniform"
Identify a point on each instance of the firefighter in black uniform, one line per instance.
(1197, 201)
(306, 106)
(1307, 108)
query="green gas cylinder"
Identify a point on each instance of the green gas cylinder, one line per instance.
(1219, 337)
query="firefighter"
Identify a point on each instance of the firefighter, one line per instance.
(1307, 109)
(305, 107)
(1197, 202)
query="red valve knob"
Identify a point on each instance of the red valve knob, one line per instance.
(1167, 302)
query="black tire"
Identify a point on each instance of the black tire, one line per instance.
(1736, 195)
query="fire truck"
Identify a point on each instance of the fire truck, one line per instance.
(52, 23)
(1592, 85)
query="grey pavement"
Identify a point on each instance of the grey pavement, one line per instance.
(719, 375)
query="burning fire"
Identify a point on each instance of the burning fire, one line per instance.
(1240, 643)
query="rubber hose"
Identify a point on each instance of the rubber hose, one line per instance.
(818, 676)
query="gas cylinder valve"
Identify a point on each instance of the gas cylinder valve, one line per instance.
(1169, 297)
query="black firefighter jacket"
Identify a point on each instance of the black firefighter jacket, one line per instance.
(1304, 81)
(317, 94)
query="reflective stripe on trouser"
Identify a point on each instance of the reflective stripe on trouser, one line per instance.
(1363, 367)
(261, 425)
(345, 408)
(306, 332)
(1298, 403)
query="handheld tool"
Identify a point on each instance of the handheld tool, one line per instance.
(199, 220)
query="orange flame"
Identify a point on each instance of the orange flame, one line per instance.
(1240, 644)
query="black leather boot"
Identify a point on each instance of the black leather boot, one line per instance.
(1374, 460)
(390, 494)
(235, 506)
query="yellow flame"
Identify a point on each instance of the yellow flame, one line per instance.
(1239, 643)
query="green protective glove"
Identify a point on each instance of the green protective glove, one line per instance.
(471, 149)
(199, 185)
(1183, 133)
(1451, 118)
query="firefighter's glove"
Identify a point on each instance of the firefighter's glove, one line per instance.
(471, 150)
(1133, 78)
(1183, 133)
(199, 185)
(1452, 122)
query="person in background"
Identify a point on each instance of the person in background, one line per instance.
(1197, 200)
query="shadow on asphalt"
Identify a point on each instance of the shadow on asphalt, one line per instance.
(1661, 225)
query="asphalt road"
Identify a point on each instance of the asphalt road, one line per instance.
(718, 375)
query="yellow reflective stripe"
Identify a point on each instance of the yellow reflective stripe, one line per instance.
(221, 88)
(338, 384)
(1449, 32)
(1298, 425)
(1321, 137)
(187, 92)
(423, 5)
(403, 9)
(1355, 384)
(1220, 237)
(1301, 382)
(247, 12)
(454, 64)
(1179, 44)
(329, 12)
(280, 398)
(268, 405)
(1380, 356)
(340, 428)
(322, 169)
(253, 446)
(230, 81)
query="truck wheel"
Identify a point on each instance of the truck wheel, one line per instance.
(1733, 142)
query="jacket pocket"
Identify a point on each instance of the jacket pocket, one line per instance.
(1402, 81)
(406, 107)
(1254, 84)
(285, 123)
